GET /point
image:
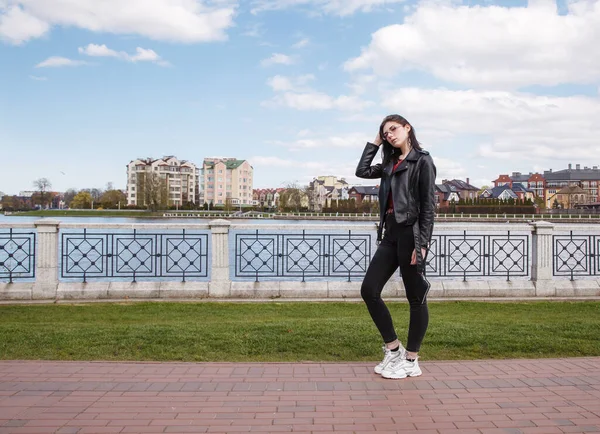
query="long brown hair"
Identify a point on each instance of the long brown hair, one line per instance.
(389, 152)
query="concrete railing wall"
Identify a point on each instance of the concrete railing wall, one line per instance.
(540, 281)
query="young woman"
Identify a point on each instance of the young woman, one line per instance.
(407, 204)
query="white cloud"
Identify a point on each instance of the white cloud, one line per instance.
(351, 141)
(99, 51)
(304, 101)
(57, 62)
(181, 20)
(259, 161)
(301, 43)
(313, 100)
(142, 54)
(505, 124)
(332, 7)
(362, 83)
(18, 26)
(292, 92)
(365, 118)
(448, 169)
(38, 78)
(254, 30)
(306, 171)
(488, 151)
(281, 83)
(491, 46)
(278, 59)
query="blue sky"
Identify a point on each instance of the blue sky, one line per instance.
(294, 86)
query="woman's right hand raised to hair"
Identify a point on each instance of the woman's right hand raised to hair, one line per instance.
(378, 140)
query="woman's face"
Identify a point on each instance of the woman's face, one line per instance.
(395, 133)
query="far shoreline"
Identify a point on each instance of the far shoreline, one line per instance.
(184, 215)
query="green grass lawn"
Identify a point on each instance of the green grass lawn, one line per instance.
(289, 331)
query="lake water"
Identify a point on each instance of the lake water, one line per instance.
(27, 219)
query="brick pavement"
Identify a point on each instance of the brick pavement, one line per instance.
(508, 397)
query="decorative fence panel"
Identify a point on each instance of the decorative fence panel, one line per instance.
(472, 255)
(575, 255)
(305, 254)
(136, 254)
(344, 255)
(17, 254)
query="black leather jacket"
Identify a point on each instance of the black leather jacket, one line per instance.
(413, 192)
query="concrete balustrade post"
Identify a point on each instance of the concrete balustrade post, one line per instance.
(220, 283)
(541, 263)
(46, 264)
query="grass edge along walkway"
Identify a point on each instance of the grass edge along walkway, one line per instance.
(291, 331)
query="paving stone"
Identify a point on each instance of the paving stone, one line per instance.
(504, 396)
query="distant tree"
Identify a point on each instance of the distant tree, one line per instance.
(482, 189)
(82, 200)
(555, 204)
(68, 196)
(152, 191)
(112, 199)
(1, 194)
(292, 197)
(539, 201)
(95, 193)
(228, 205)
(42, 186)
(43, 200)
(14, 203)
(188, 205)
(7, 202)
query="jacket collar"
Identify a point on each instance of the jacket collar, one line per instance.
(412, 156)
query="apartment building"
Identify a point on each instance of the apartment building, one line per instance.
(588, 179)
(161, 182)
(226, 178)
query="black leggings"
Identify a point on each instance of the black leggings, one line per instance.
(395, 251)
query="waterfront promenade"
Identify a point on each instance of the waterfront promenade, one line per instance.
(462, 397)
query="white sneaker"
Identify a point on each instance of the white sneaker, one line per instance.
(389, 357)
(402, 368)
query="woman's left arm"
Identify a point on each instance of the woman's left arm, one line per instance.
(427, 199)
